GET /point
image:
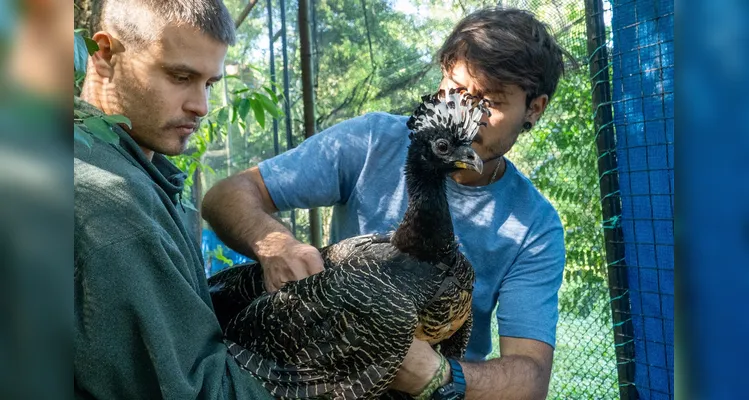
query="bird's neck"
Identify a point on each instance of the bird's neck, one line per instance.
(427, 230)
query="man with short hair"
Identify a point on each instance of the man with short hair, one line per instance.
(144, 322)
(511, 234)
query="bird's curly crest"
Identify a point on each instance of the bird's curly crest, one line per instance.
(459, 111)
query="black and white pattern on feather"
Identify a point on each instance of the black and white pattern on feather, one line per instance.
(458, 111)
(335, 336)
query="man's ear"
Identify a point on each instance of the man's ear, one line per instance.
(103, 59)
(537, 108)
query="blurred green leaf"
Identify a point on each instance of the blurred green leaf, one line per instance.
(99, 128)
(80, 53)
(211, 133)
(193, 167)
(243, 108)
(91, 46)
(222, 116)
(234, 113)
(218, 253)
(272, 94)
(268, 105)
(257, 109)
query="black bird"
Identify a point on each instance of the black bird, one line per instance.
(343, 333)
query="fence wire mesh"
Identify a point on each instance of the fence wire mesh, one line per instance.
(643, 98)
(560, 156)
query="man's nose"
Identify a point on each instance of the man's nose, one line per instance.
(197, 103)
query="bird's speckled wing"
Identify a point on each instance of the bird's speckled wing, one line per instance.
(333, 333)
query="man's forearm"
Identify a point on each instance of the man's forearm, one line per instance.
(234, 209)
(510, 377)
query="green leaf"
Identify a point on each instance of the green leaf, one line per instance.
(240, 91)
(91, 46)
(79, 77)
(192, 168)
(243, 108)
(272, 95)
(80, 53)
(257, 109)
(234, 114)
(211, 131)
(219, 254)
(256, 69)
(99, 128)
(118, 119)
(223, 116)
(268, 105)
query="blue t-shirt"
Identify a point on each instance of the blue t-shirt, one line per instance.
(511, 234)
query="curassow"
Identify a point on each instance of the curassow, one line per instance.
(344, 332)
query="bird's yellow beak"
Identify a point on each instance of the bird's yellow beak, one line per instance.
(470, 160)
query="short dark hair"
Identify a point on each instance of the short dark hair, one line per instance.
(140, 21)
(503, 47)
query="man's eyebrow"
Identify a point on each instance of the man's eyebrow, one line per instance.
(496, 96)
(189, 70)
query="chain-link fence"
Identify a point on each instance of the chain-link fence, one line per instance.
(560, 157)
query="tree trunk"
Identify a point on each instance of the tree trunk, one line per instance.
(197, 199)
(86, 15)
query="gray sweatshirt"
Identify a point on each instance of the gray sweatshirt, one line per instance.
(144, 322)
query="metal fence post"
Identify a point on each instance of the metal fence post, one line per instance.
(610, 199)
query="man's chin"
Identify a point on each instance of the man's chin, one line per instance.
(173, 150)
(179, 147)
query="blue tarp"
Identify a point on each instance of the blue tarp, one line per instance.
(643, 99)
(209, 244)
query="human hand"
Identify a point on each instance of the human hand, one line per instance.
(285, 259)
(418, 368)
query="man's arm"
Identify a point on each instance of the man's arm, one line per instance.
(321, 171)
(240, 210)
(522, 372)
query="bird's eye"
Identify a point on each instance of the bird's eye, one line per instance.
(442, 146)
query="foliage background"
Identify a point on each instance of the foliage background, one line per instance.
(378, 55)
